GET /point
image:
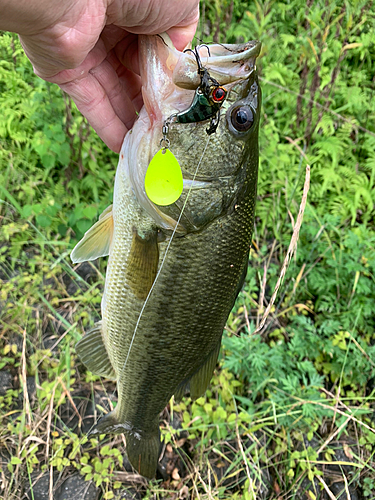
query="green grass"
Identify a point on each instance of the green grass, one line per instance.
(290, 410)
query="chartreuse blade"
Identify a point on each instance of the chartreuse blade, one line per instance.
(163, 181)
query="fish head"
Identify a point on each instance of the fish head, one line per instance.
(210, 164)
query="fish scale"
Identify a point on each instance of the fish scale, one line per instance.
(160, 334)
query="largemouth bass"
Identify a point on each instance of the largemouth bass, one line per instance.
(165, 343)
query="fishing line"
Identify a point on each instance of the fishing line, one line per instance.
(200, 40)
(165, 256)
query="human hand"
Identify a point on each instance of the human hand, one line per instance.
(89, 48)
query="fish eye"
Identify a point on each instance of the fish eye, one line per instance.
(242, 118)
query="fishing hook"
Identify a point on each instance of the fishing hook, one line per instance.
(206, 78)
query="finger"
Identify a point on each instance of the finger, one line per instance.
(62, 62)
(184, 32)
(95, 57)
(131, 82)
(127, 53)
(121, 89)
(92, 101)
(112, 35)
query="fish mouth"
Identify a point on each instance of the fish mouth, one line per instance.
(168, 74)
(169, 81)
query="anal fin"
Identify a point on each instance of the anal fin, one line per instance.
(199, 381)
(93, 353)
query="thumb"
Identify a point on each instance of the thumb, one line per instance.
(184, 32)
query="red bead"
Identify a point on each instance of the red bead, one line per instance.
(218, 94)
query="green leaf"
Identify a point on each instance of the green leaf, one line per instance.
(43, 220)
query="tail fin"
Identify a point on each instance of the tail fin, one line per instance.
(143, 451)
(143, 448)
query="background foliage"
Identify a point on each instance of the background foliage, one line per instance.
(287, 405)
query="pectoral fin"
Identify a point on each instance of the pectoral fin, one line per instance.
(96, 241)
(199, 381)
(142, 265)
(93, 353)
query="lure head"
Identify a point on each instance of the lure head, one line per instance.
(208, 98)
(170, 80)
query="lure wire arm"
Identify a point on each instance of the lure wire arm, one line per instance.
(214, 123)
(197, 56)
(165, 130)
(206, 78)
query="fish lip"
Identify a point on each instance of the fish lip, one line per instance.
(225, 53)
(247, 50)
(254, 51)
(226, 63)
(250, 49)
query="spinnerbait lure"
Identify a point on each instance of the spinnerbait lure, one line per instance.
(207, 101)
